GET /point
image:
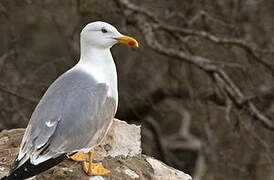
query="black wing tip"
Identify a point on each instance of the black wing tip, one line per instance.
(8, 178)
(28, 170)
(14, 165)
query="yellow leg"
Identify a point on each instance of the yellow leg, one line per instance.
(79, 157)
(94, 169)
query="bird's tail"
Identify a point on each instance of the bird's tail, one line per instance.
(28, 170)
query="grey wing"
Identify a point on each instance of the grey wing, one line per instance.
(73, 114)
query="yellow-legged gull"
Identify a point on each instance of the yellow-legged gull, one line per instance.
(77, 109)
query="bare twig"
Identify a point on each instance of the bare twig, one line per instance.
(138, 9)
(10, 92)
(41, 67)
(260, 140)
(158, 136)
(4, 11)
(4, 57)
(217, 21)
(199, 166)
(184, 139)
(249, 47)
(205, 64)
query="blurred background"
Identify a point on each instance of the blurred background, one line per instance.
(200, 84)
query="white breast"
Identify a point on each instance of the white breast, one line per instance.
(102, 68)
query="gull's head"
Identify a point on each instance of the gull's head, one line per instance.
(103, 35)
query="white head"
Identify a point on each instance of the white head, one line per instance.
(103, 36)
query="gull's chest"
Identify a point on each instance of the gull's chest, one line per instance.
(103, 74)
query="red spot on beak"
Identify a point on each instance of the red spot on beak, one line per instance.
(131, 43)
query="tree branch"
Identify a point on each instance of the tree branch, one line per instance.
(216, 71)
(10, 92)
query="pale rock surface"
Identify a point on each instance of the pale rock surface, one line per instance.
(120, 152)
(164, 172)
(121, 139)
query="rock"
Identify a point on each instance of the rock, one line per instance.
(121, 139)
(120, 152)
(162, 171)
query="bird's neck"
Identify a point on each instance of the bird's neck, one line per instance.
(96, 57)
(100, 64)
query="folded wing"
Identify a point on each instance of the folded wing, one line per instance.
(74, 114)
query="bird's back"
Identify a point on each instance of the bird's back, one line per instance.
(74, 114)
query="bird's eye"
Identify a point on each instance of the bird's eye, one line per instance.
(104, 30)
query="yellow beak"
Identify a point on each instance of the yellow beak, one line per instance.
(127, 40)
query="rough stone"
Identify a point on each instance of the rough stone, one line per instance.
(122, 140)
(120, 152)
(162, 171)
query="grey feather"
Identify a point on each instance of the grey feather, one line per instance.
(74, 114)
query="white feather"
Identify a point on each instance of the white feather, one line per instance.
(50, 124)
(99, 64)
